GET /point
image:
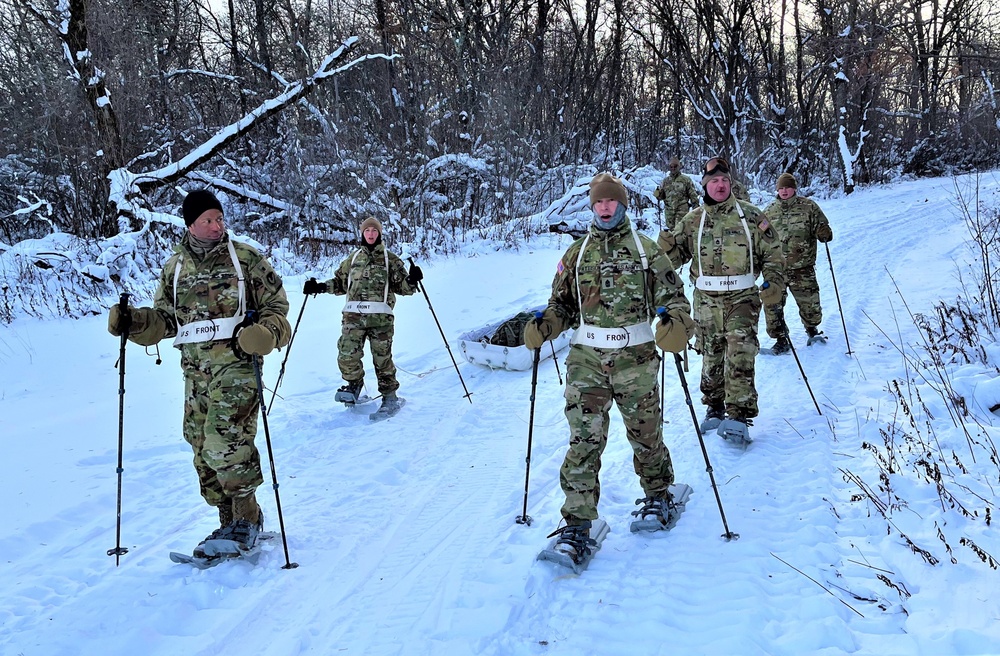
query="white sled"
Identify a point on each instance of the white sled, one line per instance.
(478, 347)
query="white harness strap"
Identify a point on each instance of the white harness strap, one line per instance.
(726, 283)
(209, 330)
(368, 307)
(587, 335)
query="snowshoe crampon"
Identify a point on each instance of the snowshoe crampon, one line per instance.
(350, 393)
(816, 337)
(736, 430)
(573, 547)
(661, 514)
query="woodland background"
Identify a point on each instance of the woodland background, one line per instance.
(449, 120)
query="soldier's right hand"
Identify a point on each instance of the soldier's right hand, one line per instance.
(666, 240)
(771, 293)
(120, 320)
(658, 194)
(674, 330)
(541, 330)
(313, 287)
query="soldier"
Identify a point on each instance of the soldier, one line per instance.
(206, 289)
(610, 283)
(678, 194)
(370, 277)
(800, 223)
(729, 243)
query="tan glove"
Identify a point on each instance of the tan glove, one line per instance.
(666, 240)
(771, 293)
(672, 335)
(538, 332)
(824, 232)
(256, 340)
(120, 322)
(658, 193)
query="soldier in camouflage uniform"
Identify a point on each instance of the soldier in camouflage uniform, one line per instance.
(678, 194)
(609, 284)
(800, 223)
(729, 243)
(370, 277)
(206, 289)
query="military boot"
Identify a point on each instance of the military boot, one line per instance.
(225, 519)
(816, 336)
(248, 521)
(574, 540)
(713, 417)
(351, 392)
(782, 345)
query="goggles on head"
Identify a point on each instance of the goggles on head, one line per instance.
(716, 165)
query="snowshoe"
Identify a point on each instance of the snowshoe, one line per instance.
(391, 404)
(659, 513)
(205, 561)
(713, 417)
(736, 430)
(816, 336)
(574, 546)
(237, 538)
(782, 345)
(350, 393)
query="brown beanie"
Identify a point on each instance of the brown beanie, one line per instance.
(605, 185)
(370, 222)
(674, 163)
(787, 180)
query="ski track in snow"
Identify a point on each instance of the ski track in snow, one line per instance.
(404, 530)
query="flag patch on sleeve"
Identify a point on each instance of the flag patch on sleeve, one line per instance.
(560, 268)
(763, 225)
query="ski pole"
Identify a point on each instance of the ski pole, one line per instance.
(281, 373)
(663, 386)
(555, 361)
(252, 316)
(423, 288)
(126, 319)
(805, 378)
(837, 294)
(728, 535)
(536, 356)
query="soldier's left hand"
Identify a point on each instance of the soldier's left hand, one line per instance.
(673, 335)
(256, 340)
(414, 275)
(824, 232)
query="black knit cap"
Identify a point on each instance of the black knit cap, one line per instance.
(197, 203)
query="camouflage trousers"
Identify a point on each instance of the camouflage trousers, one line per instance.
(805, 289)
(594, 378)
(351, 345)
(726, 337)
(220, 422)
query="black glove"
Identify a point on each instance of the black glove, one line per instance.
(414, 276)
(313, 287)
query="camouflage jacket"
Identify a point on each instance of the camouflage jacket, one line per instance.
(615, 290)
(679, 195)
(723, 249)
(796, 220)
(207, 288)
(362, 276)
(740, 190)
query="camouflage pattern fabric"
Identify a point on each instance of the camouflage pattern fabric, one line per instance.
(365, 268)
(740, 190)
(350, 347)
(796, 219)
(594, 378)
(615, 292)
(220, 389)
(679, 195)
(726, 322)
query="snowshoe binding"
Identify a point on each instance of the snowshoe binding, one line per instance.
(736, 430)
(573, 546)
(350, 393)
(661, 513)
(816, 336)
(391, 404)
(713, 417)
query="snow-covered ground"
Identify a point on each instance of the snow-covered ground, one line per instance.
(404, 531)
